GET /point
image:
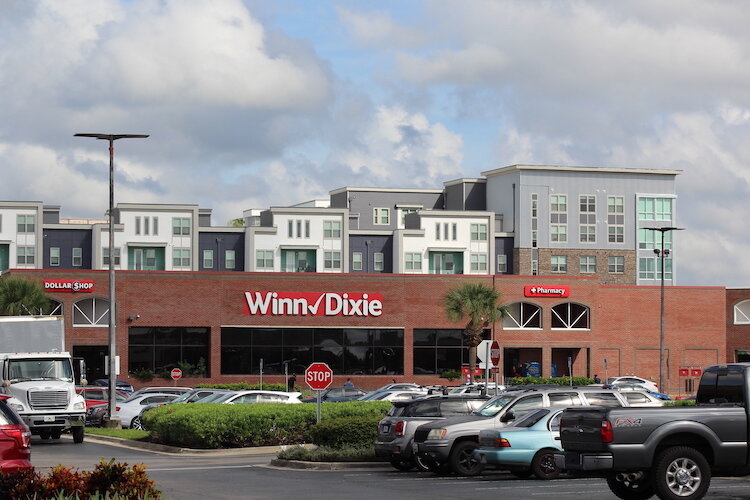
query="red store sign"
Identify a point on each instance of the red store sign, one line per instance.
(546, 291)
(68, 286)
(312, 304)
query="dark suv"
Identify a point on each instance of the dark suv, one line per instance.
(396, 431)
(15, 436)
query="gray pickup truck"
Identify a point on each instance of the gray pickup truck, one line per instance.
(672, 451)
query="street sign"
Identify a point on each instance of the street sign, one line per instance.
(318, 376)
(495, 352)
(684, 372)
(696, 372)
(176, 374)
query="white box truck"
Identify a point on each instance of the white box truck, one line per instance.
(38, 375)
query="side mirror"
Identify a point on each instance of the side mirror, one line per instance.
(507, 417)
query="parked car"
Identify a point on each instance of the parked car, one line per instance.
(477, 388)
(120, 385)
(212, 398)
(258, 396)
(163, 390)
(633, 380)
(400, 386)
(15, 437)
(396, 430)
(392, 395)
(187, 397)
(130, 408)
(96, 395)
(337, 394)
(636, 387)
(526, 447)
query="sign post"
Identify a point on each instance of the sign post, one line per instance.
(494, 356)
(318, 376)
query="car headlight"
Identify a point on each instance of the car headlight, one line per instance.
(437, 434)
(16, 406)
(79, 405)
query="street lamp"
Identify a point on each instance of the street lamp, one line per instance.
(662, 252)
(112, 406)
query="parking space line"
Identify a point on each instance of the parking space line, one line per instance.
(201, 468)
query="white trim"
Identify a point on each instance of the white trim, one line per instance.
(567, 168)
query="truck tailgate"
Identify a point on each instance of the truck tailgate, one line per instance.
(580, 429)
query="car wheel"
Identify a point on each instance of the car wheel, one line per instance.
(420, 464)
(633, 486)
(681, 473)
(402, 465)
(543, 465)
(136, 423)
(77, 434)
(462, 459)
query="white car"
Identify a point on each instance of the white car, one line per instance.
(397, 395)
(630, 379)
(258, 396)
(131, 407)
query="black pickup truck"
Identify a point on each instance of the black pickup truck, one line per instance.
(670, 451)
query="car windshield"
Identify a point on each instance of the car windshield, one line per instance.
(220, 398)
(23, 370)
(374, 396)
(494, 405)
(184, 397)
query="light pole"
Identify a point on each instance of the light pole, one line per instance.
(662, 252)
(112, 405)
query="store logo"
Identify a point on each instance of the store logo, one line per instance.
(69, 285)
(312, 304)
(545, 291)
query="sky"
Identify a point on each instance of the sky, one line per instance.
(259, 103)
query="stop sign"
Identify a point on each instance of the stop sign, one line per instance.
(318, 376)
(495, 352)
(176, 373)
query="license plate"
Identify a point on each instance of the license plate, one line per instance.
(49, 418)
(385, 429)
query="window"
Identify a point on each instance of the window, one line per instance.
(437, 230)
(25, 255)
(413, 261)
(26, 223)
(158, 349)
(146, 224)
(454, 229)
(534, 267)
(602, 399)
(356, 261)
(331, 260)
(648, 239)
(405, 212)
(523, 315)
(307, 228)
(649, 268)
(478, 261)
(105, 256)
(1, 222)
(264, 259)
(332, 229)
(534, 219)
(438, 350)
(208, 259)
(558, 218)
(587, 218)
(381, 216)
(379, 261)
(137, 225)
(299, 229)
(478, 232)
(91, 312)
(570, 316)
(742, 313)
(564, 399)
(616, 265)
(615, 219)
(180, 257)
(502, 263)
(655, 208)
(180, 226)
(77, 257)
(559, 264)
(229, 259)
(54, 256)
(588, 264)
(290, 229)
(155, 226)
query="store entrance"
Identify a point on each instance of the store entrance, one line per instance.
(563, 360)
(94, 356)
(522, 362)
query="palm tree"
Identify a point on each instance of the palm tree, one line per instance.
(478, 303)
(20, 297)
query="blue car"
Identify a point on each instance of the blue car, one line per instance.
(526, 447)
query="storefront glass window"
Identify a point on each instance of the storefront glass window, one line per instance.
(436, 351)
(164, 348)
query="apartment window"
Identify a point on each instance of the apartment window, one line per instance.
(616, 219)
(307, 228)
(588, 264)
(155, 226)
(77, 257)
(180, 257)
(413, 261)
(454, 230)
(445, 231)
(180, 226)
(1, 222)
(655, 208)
(146, 221)
(381, 216)
(264, 259)
(616, 264)
(559, 264)
(105, 256)
(649, 268)
(356, 261)
(25, 255)
(437, 230)
(208, 259)
(478, 232)
(290, 229)
(26, 223)
(229, 261)
(649, 239)
(299, 229)
(54, 256)
(587, 218)
(534, 219)
(332, 229)
(478, 261)
(534, 267)
(332, 260)
(405, 212)
(502, 263)
(559, 218)
(379, 260)
(138, 225)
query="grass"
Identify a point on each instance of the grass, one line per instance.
(326, 454)
(118, 433)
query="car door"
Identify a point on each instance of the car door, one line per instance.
(521, 407)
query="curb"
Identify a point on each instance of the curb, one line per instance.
(162, 448)
(300, 464)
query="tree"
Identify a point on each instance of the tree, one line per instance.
(479, 304)
(22, 297)
(239, 222)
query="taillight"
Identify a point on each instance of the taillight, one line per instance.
(606, 432)
(501, 443)
(399, 428)
(20, 433)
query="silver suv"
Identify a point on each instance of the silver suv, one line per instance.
(447, 445)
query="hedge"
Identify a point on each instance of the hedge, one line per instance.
(356, 432)
(577, 381)
(207, 425)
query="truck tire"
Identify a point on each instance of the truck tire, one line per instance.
(630, 490)
(77, 434)
(45, 434)
(681, 473)
(543, 465)
(462, 461)
(55, 434)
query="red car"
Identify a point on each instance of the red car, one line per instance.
(15, 438)
(95, 395)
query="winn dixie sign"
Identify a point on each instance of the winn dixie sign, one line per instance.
(312, 304)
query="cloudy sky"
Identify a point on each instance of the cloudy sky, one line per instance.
(271, 102)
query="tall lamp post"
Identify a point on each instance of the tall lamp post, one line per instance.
(662, 253)
(112, 405)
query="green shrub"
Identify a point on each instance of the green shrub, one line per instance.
(578, 381)
(451, 375)
(356, 432)
(244, 386)
(680, 402)
(325, 454)
(144, 375)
